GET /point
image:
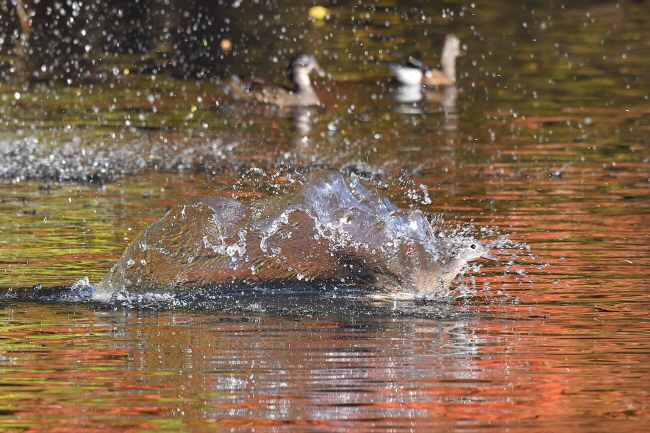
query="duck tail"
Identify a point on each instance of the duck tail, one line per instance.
(232, 86)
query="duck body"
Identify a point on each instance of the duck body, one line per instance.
(260, 91)
(436, 78)
(447, 76)
(406, 74)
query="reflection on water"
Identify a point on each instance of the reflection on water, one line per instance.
(545, 137)
(198, 370)
(406, 95)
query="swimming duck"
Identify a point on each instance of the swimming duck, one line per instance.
(409, 73)
(414, 72)
(257, 90)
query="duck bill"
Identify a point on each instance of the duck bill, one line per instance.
(318, 71)
(489, 256)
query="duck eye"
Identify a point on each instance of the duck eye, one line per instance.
(473, 246)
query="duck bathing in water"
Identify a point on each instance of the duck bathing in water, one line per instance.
(329, 232)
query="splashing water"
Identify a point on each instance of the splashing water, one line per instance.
(328, 234)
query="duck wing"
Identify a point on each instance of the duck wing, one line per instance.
(269, 93)
(253, 90)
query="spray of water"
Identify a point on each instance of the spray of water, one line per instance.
(328, 233)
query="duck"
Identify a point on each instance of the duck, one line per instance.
(256, 90)
(414, 73)
(409, 73)
(332, 232)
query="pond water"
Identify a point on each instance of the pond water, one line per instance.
(546, 138)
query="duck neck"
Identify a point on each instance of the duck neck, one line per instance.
(301, 82)
(451, 270)
(448, 61)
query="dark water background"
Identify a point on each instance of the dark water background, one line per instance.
(106, 122)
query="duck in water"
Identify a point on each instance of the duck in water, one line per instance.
(328, 233)
(414, 73)
(301, 92)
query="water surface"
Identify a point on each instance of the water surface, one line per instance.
(547, 140)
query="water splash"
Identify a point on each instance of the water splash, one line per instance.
(330, 233)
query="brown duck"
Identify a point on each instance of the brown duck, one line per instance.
(260, 91)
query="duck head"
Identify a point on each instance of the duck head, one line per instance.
(300, 67)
